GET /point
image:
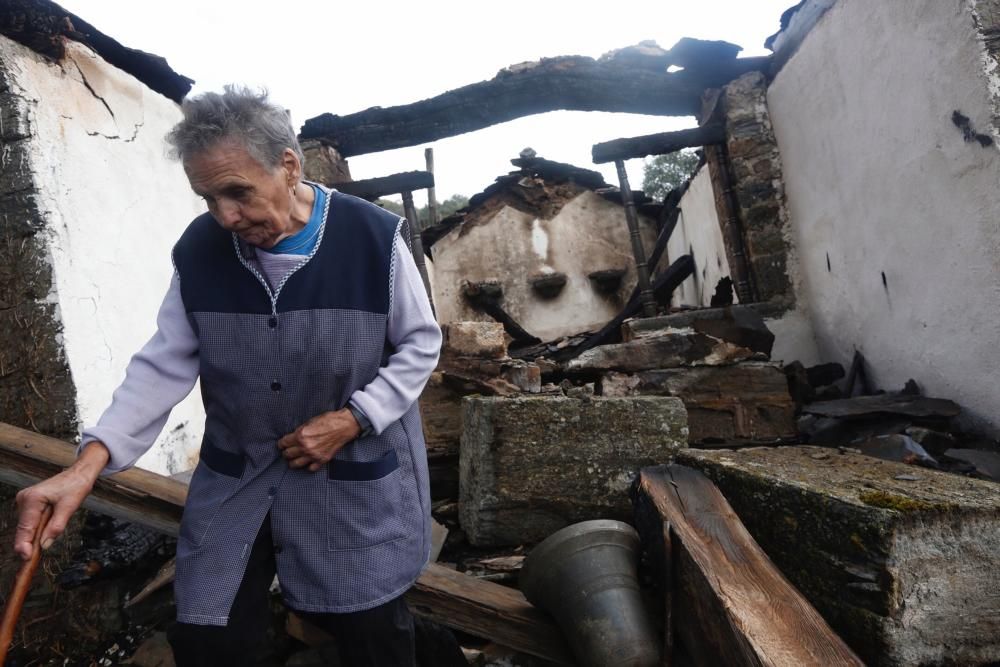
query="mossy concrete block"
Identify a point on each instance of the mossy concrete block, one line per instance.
(901, 561)
(532, 465)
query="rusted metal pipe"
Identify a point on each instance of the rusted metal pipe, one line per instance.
(15, 602)
(632, 218)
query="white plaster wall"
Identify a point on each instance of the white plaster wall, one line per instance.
(698, 233)
(588, 234)
(115, 205)
(881, 183)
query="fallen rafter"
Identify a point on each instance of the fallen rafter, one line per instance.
(738, 609)
(450, 598)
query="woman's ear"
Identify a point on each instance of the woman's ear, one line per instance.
(292, 166)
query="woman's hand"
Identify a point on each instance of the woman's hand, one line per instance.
(318, 440)
(65, 492)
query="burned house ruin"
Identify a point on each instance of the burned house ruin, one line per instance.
(827, 425)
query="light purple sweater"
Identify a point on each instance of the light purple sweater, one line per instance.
(165, 370)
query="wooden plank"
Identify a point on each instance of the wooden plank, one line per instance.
(573, 83)
(135, 495)
(739, 609)
(861, 407)
(489, 610)
(450, 598)
(658, 144)
(373, 188)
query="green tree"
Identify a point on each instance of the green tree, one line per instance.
(663, 173)
(445, 208)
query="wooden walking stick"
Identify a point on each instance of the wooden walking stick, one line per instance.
(21, 585)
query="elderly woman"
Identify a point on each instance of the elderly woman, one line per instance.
(302, 312)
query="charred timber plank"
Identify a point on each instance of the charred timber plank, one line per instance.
(658, 144)
(373, 188)
(567, 83)
(485, 609)
(135, 495)
(907, 405)
(739, 609)
(448, 597)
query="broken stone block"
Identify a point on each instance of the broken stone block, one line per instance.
(324, 164)
(901, 561)
(532, 465)
(668, 349)
(739, 325)
(486, 340)
(748, 401)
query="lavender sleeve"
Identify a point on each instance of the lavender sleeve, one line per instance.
(416, 337)
(157, 378)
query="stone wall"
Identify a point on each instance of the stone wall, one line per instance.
(758, 189)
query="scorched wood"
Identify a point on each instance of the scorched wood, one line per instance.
(738, 608)
(573, 83)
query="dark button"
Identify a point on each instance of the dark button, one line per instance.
(272, 322)
(275, 386)
(277, 548)
(273, 491)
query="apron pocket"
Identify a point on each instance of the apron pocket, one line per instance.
(363, 503)
(215, 480)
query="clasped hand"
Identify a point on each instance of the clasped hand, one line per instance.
(318, 440)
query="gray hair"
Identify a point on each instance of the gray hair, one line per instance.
(238, 114)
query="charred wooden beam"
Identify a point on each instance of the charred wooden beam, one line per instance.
(638, 252)
(485, 609)
(135, 495)
(658, 144)
(565, 83)
(453, 599)
(415, 243)
(373, 188)
(739, 609)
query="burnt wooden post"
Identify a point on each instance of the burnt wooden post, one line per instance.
(632, 218)
(416, 244)
(432, 205)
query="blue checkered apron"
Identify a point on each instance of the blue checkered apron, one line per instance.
(352, 535)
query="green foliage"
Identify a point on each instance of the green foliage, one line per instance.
(663, 173)
(445, 208)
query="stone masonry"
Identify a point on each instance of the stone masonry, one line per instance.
(532, 465)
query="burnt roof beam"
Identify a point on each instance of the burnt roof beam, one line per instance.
(574, 83)
(658, 144)
(373, 188)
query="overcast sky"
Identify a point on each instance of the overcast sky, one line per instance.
(342, 57)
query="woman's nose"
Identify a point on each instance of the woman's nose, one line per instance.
(227, 212)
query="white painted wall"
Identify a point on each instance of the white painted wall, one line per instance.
(880, 182)
(587, 234)
(698, 233)
(115, 205)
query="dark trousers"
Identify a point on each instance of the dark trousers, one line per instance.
(378, 637)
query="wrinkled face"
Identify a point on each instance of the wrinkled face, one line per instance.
(244, 196)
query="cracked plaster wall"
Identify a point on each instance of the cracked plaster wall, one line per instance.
(895, 215)
(587, 234)
(110, 206)
(698, 232)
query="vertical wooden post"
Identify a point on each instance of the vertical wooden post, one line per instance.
(432, 205)
(416, 244)
(632, 218)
